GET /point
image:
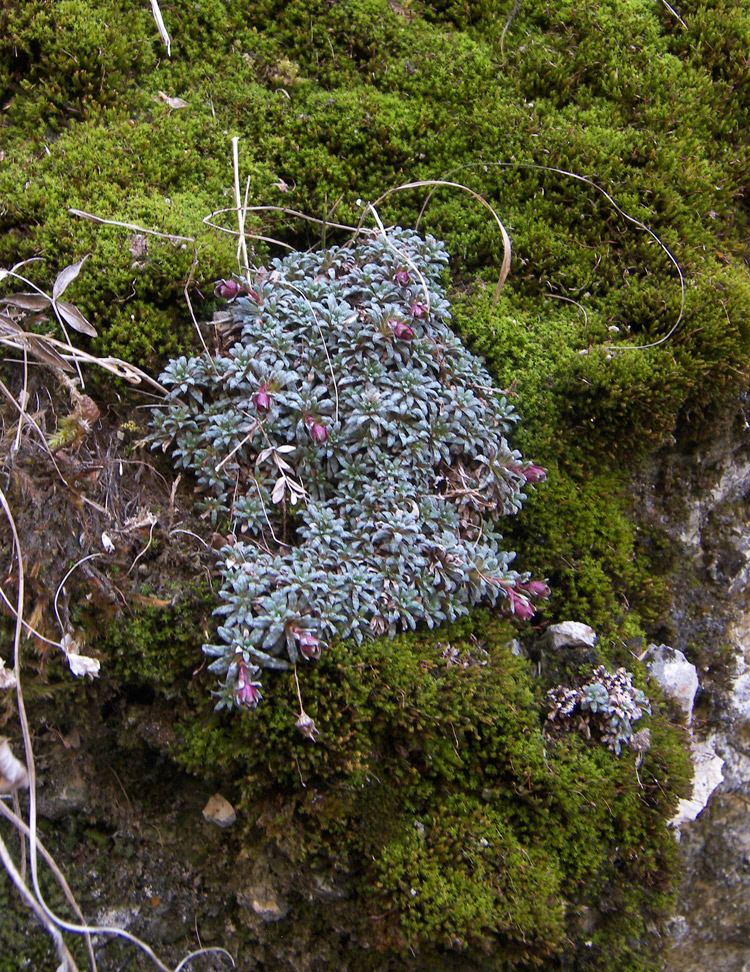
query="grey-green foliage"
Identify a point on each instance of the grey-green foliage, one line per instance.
(609, 702)
(356, 448)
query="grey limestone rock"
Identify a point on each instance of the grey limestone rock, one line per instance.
(676, 676)
(570, 634)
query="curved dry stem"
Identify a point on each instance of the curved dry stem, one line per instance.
(214, 950)
(68, 965)
(325, 349)
(20, 825)
(190, 534)
(401, 254)
(324, 223)
(672, 10)
(52, 922)
(60, 586)
(145, 549)
(116, 366)
(188, 301)
(615, 206)
(172, 237)
(23, 402)
(438, 183)
(131, 226)
(27, 626)
(230, 232)
(241, 212)
(160, 26)
(570, 300)
(508, 22)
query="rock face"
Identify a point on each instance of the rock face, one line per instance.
(699, 498)
(677, 677)
(707, 770)
(569, 634)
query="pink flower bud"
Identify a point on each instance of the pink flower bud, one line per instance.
(309, 645)
(248, 693)
(318, 432)
(228, 289)
(306, 725)
(532, 474)
(520, 606)
(402, 278)
(535, 588)
(402, 331)
(262, 399)
(418, 310)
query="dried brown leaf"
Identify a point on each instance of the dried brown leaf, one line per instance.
(66, 277)
(278, 490)
(7, 324)
(172, 102)
(29, 302)
(71, 315)
(46, 353)
(15, 336)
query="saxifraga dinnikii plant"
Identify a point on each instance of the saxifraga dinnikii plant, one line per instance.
(358, 451)
(609, 702)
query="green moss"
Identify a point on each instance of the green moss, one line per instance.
(576, 530)
(342, 101)
(337, 100)
(435, 785)
(153, 644)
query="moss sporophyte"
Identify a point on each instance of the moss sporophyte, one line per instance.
(354, 453)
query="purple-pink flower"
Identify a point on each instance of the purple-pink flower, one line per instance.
(418, 310)
(401, 330)
(309, 645)
(535, 588)
(306, 725)
(248, 693)
(520, 606)
(262, 399)
(403, 278)
(318, 432)
(228, 289)
(532, 474)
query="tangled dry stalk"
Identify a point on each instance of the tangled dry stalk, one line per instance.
(63, 359)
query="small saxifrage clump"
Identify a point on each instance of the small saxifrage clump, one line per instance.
(357, 453)
(609, 703)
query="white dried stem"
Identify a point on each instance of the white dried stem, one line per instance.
(20, 825)
(68, 965)
(161, 26)
(240, 210)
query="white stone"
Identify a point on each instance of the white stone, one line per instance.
(267, 906)
(219, 811)
(707, 774)
(739, 698)
(676, 676)
(263, 900)
(570, 634)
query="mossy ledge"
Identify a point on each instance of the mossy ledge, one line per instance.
(433, 801)
(337, 101)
